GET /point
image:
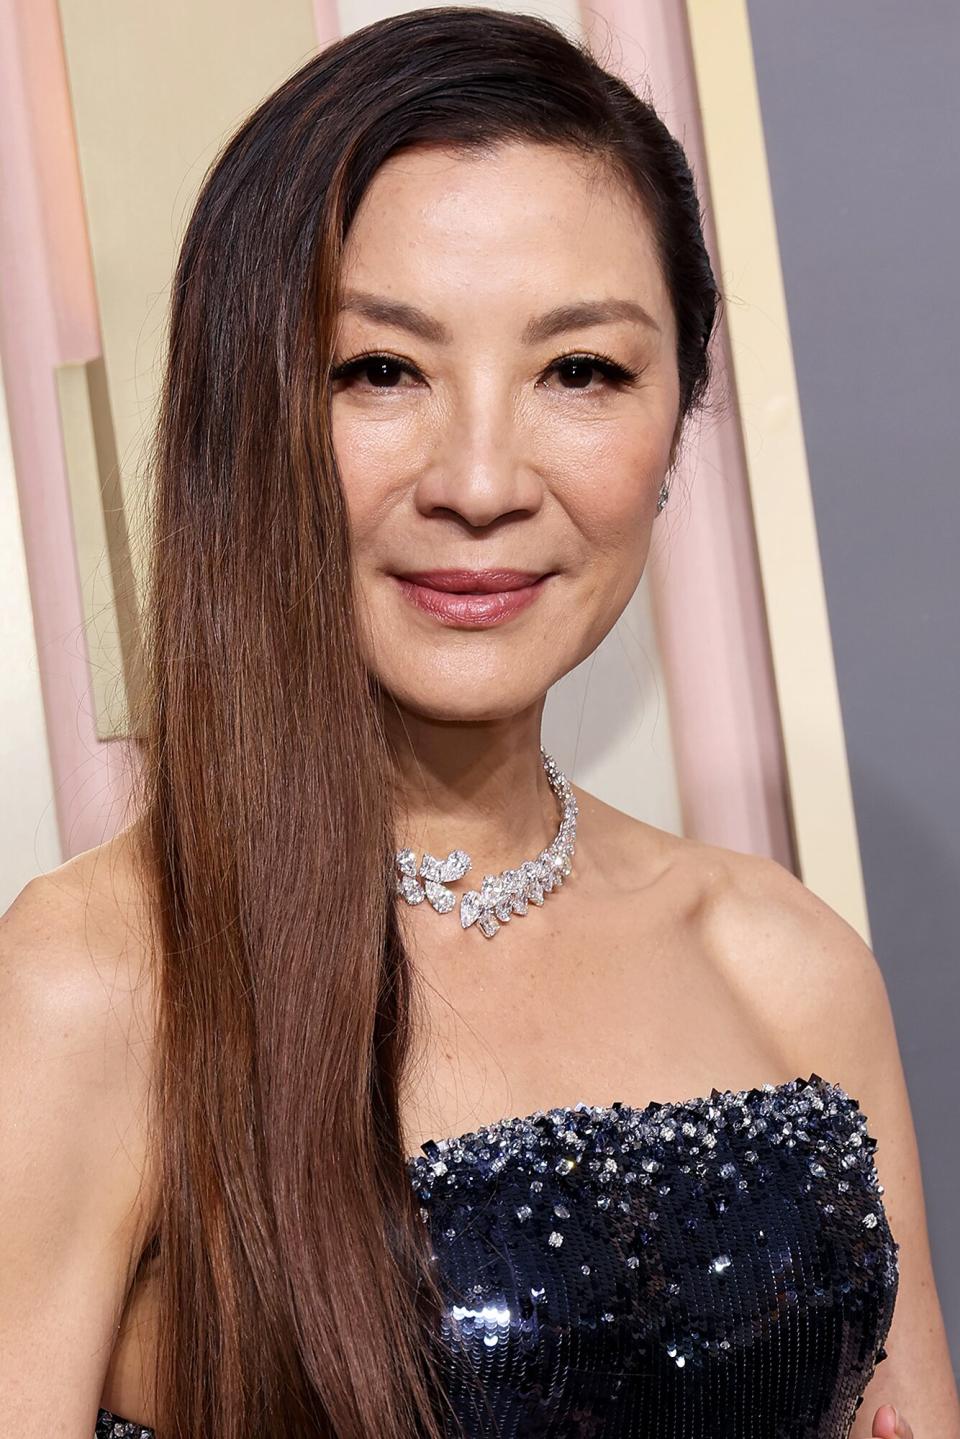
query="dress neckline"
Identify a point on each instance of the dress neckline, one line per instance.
(487, 1132)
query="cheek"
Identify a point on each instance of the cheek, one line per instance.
(374, 461)
(607, 482)
(608, 489)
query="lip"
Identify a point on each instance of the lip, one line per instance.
(472, 598)
(473, 582)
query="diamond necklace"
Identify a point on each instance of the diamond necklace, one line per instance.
(503, 895)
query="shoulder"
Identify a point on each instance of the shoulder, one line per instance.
(76, 1193)
(794, 962)
(77, 937)
(803, 965)
(796, 966)
(77, 1014)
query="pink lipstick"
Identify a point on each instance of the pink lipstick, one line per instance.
(475, 598)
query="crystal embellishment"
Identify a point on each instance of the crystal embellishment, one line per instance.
(500, 896)
(649, 1280)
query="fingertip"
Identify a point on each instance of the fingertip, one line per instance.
(887, 1415)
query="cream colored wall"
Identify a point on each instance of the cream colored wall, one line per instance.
(353, 14)
(155, 90)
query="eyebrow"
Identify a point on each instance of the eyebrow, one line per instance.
(573, 316)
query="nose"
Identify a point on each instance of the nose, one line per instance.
(479, 467)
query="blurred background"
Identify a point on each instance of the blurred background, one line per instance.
(786, 679)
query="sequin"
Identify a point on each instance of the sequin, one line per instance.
(696, 1269)
(111, 1426)
(724, 1266)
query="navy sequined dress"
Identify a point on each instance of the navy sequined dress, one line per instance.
(711, 1268)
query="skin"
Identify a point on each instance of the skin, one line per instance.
(483, 453)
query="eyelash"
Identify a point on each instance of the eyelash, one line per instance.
(612, 370)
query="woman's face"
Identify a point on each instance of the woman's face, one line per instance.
(470, 439)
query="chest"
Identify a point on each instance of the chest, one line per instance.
(613, 1003)
(718, 1266)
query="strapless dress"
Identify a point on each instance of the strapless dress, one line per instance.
(710, 1268)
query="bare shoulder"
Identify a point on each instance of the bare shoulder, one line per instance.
(75, 1188)
(797, 967)
(77, 988)
(87, 919)
(810, 970)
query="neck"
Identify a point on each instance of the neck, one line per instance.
(476, 786)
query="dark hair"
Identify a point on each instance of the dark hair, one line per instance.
(294, 1279)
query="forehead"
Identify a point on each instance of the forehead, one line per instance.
(438, 224)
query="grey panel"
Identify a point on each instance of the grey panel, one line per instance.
(860, 111)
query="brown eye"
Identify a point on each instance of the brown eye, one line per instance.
(581, 369)
(382, 371)
(578, 372)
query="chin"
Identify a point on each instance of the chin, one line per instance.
(462, 703)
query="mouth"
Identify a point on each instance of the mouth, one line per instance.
(473, 582)
(471, 598)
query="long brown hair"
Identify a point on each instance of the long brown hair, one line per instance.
(294, 1280)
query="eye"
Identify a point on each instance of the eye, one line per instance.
(382, 370)
(581, 368)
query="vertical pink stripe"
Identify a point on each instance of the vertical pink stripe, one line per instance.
(326, 19)
(705, 582)
(48, 316)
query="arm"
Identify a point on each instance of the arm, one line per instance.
(832, 1012)
(70, 1160)
(917, 1376)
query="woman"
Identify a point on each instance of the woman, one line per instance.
(441, 315)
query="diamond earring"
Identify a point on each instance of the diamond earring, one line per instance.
(663, 496)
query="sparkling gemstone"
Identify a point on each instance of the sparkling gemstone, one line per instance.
(440, 897)
(471, 907)
(413, 891)
(407, 862)
(455, 866)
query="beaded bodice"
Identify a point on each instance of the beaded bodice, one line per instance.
(710, 1268)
